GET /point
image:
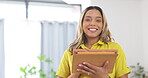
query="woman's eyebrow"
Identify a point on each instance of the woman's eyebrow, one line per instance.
(98, 17)
(91, 16)
(88, 16)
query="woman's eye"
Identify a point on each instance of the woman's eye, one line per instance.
(98, 20)
(87, 19)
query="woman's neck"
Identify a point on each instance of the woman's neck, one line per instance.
(90, 42)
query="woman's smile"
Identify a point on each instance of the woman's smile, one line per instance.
(92, 29)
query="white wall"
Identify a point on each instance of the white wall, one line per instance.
(145, 31)
(124, 18)
(2, 63)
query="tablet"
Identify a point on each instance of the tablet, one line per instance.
(95, 57)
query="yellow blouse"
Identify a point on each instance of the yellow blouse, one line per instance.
(120, 67)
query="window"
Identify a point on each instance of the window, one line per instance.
(22, 45)
(53, 12)
(23, 38)
(17, 11)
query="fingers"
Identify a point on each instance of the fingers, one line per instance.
(105, 66)
(90, 66)
(90, 69)
(85, 69)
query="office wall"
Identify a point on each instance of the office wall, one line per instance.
(145, 31)
(124, 19)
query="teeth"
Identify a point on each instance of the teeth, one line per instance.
(92, 29)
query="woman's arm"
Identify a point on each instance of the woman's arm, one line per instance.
(74, 76)
(71, 76)
(124, 76)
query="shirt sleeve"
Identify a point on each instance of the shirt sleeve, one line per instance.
(121, 67)
(64, 68)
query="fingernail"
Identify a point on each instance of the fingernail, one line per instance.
(80, 64)
(78, 69)
(84, 62)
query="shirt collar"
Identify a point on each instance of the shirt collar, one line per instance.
(84, 47)
(100, 42)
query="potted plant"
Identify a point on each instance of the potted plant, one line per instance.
(33, 70)
(137, 71)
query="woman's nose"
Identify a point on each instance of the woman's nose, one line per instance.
(92, 23)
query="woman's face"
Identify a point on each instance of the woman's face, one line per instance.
(92, 23)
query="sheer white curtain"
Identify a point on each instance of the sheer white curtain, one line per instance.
(56, 36)
(2, 48)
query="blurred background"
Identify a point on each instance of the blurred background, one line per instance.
(29, 28)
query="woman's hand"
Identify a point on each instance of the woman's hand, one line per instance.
(94, 71)
(74, 75)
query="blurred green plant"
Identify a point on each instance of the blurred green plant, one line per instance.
(32, 70)
(137, 71)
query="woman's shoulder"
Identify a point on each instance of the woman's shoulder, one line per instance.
(67, 51)
(114, 44)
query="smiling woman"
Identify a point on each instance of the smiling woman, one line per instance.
(93, 33)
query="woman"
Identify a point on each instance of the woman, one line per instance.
(93, 33)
